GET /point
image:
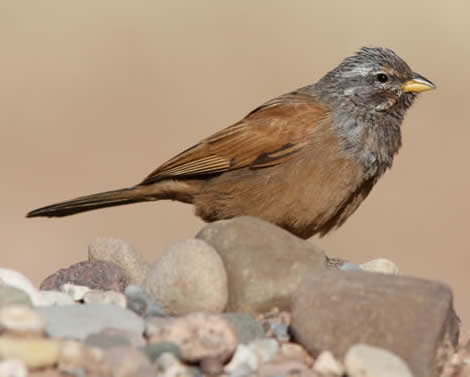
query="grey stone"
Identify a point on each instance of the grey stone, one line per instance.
(188, 277)
(121, 253)
(13, 296)
(363, 360)
(246, 325)
(79, 321)
(102, 275)
(109, 338)
(154, 350)
(411, 317)
(141, 303)
(264, 263)
(168, 365)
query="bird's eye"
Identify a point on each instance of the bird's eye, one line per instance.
(382, 77)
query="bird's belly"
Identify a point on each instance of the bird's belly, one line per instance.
(301, 199)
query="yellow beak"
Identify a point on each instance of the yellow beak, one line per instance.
(417, 84)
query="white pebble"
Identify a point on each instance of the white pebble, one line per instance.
(18, 280)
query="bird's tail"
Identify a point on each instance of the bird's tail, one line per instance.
(90, 202)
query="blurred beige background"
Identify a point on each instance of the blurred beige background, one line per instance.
(95, 94)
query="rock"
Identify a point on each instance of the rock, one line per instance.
(77, 359)
(188, 277)
(79, 321)
(109, 338)
(155, 350)
(56, 298)
(247, 327)
(276, 325)
(411, 317)
(264, 263)
(102, 275)
(244, 362)
(121, 253)
(13, 296)
(293, 352)
(129, 362)
(74, 291)
(34, 352)
(199, 336)
(285, 369)
(154, 325)
(13, 368)
(21, 319)
(363, 360)
(266, 348)
(141, 303)
(381, 265)
(326, 364)
(350, 266)
(248, 358)
(17, 280)
(95, 296)
(168, 365)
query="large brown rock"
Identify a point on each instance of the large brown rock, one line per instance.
(264, 263)
(411, 317)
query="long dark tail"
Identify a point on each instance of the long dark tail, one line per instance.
(90, 202)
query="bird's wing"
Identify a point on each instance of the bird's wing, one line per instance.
(269, 135)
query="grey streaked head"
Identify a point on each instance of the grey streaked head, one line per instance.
(374, 80)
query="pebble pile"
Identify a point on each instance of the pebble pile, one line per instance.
(243, 298)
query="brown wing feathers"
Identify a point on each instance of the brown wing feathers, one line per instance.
(269, 136)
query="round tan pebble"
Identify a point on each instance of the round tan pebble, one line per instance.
(189, 277)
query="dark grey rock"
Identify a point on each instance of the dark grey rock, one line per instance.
(264, 263)
(79, 321)
(141, 303)
(410, 317)
(102, 275)
(109, 338)
(247, 327)
(154, 350)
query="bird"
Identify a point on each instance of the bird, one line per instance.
(304, 161)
